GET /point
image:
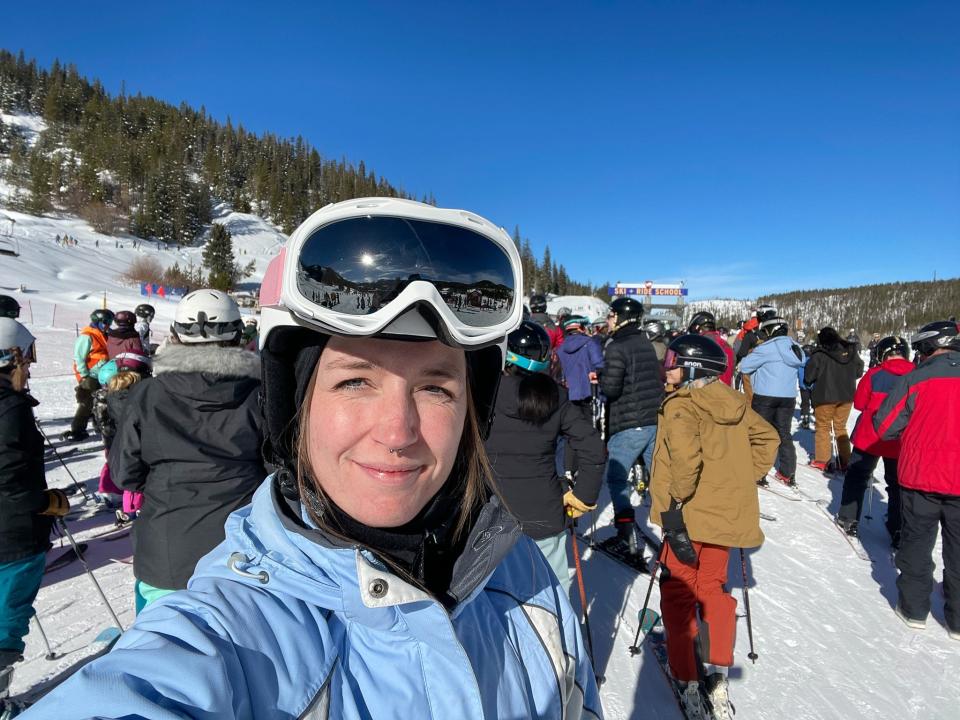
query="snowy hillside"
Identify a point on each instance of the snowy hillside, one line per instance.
(727, 312)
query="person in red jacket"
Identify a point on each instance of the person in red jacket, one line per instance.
(704, 323)
(923, 410)
(893, 355)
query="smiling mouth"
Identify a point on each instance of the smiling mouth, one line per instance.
(390, 472)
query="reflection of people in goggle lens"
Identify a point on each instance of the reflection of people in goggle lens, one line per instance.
(17, 352)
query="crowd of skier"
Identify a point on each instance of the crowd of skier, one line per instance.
(414, 458)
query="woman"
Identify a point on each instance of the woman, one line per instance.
(532, 413)
(832, 372)
(711, 447)
(374, 575)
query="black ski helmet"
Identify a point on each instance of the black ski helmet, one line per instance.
(774, 327)
(627, 309)
(528, 347)
(699, 357)
(892, 345)
(702, 322)
(766, 312)
(145, 311)
(935, 336)
(655, 329)
(125, 319)
(102, 317)
(9, 307)
(538, 304)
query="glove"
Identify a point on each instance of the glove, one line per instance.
(89, 383)
(675, 532)
(574, 506)
(58, 504)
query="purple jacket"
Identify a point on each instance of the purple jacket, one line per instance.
(579, 355)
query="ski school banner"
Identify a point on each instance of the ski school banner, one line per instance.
(154, 290)
(648, 288)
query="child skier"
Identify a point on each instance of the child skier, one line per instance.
(711, 447)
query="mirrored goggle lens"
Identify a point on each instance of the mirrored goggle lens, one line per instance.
(359, 265)
(670, 360)
(209, 330)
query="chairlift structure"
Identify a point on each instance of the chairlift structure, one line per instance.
(9, 243)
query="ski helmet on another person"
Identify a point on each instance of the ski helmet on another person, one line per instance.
(9, 307)
(399, 234)
(774, 327)
(101, 318)
(892, 345)
(125, 319)
(655, 329)
(702, 322)
(207, 316)
(145, 311)
(699, 357)
(626, 310)
(538, 304)
(766, 312)
(528, 347)
(134, 362)
(576, 323)
(936, 336)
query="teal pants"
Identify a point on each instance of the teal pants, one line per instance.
(19, 583)
(145, 594)
(554, 549)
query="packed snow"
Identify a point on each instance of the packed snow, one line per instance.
(828, 642)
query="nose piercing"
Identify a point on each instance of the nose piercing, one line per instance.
(395, 451)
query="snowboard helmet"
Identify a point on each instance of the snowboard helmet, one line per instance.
(575, 323)
(134, 362)
(207, 316)
(368, 247)
(627, 310)
(102, 318)
(699, 357)
(935, 336)
(528, 347)
(17, 345)
(654, 329)
(765, 312)
(702, 322)
(892, 345)
(9, 307)
(538, 304)
(125, 319)
(145, 311)
(774, 327)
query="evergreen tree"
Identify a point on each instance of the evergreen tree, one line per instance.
(218, 259)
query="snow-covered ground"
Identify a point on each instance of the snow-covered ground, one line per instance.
(829, 645)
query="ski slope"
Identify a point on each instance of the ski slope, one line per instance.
(829, 644)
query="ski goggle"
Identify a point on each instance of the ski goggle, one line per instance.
(527, 363)
(356, 275)
(209, 331)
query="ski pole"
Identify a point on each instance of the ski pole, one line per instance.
(81, 488)
(583, 600)
(746, 602)
(635, 648)
(51, 655)
(93, 579)
(869, 515)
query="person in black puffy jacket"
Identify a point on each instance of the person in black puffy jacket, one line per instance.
(190, 442)
(532, 413)
(632, 382)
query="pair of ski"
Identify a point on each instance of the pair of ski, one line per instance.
(631, 563)
(651, 630)
(853, 542)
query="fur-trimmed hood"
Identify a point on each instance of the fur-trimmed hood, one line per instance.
(225, 362)
(209, 377)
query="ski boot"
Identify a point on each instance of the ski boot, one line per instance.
(763, 482)
(805, 422)
(850, 527)
(691, 699)
(819, 465)
(626, 544)
(785, 479)
(718, 693)
(7, 659)
(72, 436)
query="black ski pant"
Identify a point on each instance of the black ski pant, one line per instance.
(571, 463)
(857, 481)
(84, 392)
(804, 403)
(779, 412)
(923, 514)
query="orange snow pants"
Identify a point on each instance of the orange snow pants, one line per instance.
(682, 590)
(831, 416)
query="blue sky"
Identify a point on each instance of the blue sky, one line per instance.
(743, 147)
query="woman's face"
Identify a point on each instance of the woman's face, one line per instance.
(371, 396)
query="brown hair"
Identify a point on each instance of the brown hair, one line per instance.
(471, 465)
(122, 380)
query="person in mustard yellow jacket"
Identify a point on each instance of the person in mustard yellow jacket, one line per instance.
(711, 447)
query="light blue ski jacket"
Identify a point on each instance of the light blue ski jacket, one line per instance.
(277, 623)
(772, 367)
